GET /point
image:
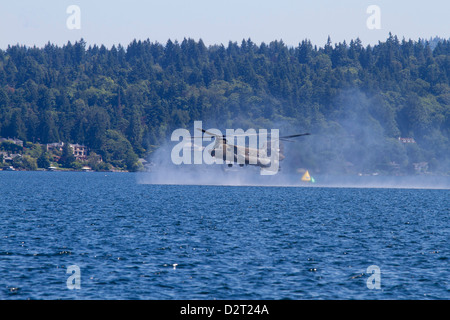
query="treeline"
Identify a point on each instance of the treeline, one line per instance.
(125, 102)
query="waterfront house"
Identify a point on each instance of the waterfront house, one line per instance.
(80, 152)
(13, 140)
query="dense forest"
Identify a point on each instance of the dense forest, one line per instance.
(123, 103)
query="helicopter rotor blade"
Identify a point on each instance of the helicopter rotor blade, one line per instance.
(284, 138)
(295, 135)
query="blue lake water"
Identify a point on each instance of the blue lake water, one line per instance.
(134, 240)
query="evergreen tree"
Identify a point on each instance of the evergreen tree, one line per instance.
(67, 158)
(123, 102)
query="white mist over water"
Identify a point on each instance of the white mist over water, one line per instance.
(240, 177)
(164, 172)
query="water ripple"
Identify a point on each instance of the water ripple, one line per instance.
(137, 241)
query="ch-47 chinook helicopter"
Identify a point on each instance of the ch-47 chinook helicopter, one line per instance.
(264, 154)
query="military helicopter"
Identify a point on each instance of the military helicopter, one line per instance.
(266, 156)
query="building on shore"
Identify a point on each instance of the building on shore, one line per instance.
(80, 152)
(13, 140)
(7, 157)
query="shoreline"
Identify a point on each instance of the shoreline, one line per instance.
(355, 175)
(59, 170)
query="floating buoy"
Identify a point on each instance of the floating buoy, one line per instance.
(307, 178)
